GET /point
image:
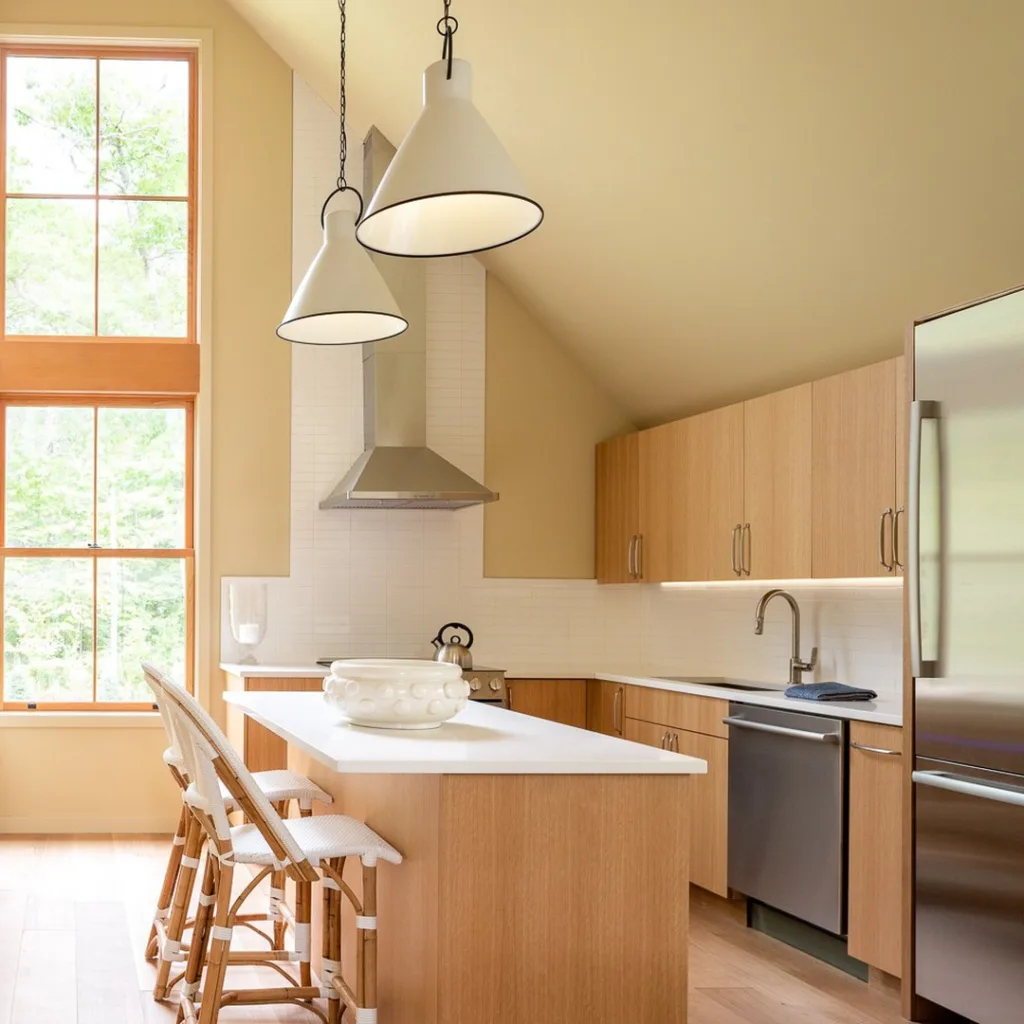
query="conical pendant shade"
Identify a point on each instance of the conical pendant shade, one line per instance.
(451, 187)
(342, 300)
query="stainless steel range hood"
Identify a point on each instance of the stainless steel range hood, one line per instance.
(397, 469)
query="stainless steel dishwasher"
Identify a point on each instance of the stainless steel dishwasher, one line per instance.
(787, 812)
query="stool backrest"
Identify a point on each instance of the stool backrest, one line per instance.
(210, 759)
(173, 754)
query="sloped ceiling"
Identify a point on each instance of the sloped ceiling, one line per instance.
(740, 194)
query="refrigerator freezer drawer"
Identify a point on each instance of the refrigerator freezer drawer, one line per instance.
(970, 890)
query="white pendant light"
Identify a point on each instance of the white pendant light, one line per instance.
(343, 300)
(451, 188)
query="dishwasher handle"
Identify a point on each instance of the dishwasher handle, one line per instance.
(781, 730)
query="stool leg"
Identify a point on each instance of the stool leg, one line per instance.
(163, 902)
(332, 942)
(367, 940)
(200, 933)
(277, 885)
(304, 930)
(189, 862)
(220, 945)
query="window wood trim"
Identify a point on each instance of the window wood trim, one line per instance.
(50, 360)
(186, 554)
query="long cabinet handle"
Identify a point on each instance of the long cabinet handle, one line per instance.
(919, 412)
(664, 740)
(631, 558)
(781, 730)
(639, 556)
(896, 538)
(745, 549)
(617, 712)
(887, 514)
(875, 750)
(732, 550)
(969, 787)
(675, 742)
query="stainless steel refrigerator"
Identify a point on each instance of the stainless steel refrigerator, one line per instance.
(965, 585)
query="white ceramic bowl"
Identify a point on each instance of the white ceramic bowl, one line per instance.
(396, 693)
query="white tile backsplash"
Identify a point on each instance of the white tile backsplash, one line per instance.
(379, 583)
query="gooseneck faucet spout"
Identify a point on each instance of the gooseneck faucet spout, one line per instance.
(797, 667)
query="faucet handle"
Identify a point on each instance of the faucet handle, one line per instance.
(807, 666)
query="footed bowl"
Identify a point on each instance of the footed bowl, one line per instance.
(396, 693)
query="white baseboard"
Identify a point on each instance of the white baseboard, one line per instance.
(87, 825)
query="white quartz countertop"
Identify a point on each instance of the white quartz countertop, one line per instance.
(294, 671)
(481, 740)
(883, 711)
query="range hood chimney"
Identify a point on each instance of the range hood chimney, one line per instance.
(397, 469)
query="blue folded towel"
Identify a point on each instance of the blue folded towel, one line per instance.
(829, 691)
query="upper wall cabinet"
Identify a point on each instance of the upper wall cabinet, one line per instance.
(854, 472)
(776, 536)
(617, 530)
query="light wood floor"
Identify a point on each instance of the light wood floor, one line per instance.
(75, 914)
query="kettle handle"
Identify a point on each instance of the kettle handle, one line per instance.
(439, 639)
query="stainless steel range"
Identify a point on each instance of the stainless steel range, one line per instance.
(486, 685)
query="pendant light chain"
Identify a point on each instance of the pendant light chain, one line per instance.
(447, 26)
(343, 135)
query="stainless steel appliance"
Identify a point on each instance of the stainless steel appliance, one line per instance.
(486, 685)
(787, 812)
(965, 589)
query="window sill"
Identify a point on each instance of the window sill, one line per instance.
(80, 720)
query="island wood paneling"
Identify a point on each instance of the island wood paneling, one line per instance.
(511, 903)
(777, 484)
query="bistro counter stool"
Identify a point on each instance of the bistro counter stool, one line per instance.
(171, 921)
(306, 849)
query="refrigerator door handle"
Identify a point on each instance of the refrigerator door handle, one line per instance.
(920, 668)
(970, 787)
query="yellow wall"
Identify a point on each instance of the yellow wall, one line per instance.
(544, 415)
(244, 420)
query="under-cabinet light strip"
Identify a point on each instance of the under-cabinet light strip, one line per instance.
(807, 584)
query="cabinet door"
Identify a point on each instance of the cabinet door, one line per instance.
(853, 471)
(605, 707)
(777, 485)
(557, 700)
(899, 529)
(617, 471)
(876, 846)
(707, 494)
(709, 850)
(656, 514)
(709, 804)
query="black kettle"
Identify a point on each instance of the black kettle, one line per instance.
(454, 651)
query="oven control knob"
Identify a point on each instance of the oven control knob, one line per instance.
(495, 685)
(474, 683)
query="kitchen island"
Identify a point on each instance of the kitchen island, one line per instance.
(546, 868)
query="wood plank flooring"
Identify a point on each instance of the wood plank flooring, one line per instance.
(75, 914)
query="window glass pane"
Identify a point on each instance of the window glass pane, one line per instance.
(141, 478)
(143, 269)
(48, 476)
(48, 629)
(50, 266)
(51, 125)
(140, 617)
(144, 127)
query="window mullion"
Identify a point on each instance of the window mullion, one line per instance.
(96, 220)
(95, 523)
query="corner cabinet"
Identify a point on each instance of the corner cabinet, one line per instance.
(875, 888)
(806, 482)
(605, 707)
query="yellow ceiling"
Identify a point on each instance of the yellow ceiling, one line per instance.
(739, 194)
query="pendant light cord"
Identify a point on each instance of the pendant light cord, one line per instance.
(342, 135)
(447, 26)
(342, 184)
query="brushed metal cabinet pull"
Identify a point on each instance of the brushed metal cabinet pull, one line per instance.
(675, 742)
(887, 514)
(732, 550)
(631, 558)
(745, 549)
(639, 556)
(875, 750)
(617, 711)
(664, 740)
(896, 538)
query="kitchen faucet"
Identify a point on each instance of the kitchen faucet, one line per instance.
(796, 666)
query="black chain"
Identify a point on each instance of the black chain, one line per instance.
(447, 26)
(343, 136)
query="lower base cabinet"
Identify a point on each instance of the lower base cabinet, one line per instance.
(557, 700)
(709, 809)
(876, 846)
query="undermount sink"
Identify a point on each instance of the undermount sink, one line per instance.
(732, 684)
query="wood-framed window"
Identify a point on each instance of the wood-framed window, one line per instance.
(98, 560)
(99, 371)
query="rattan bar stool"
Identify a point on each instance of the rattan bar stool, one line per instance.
(307, 849)
(171, 918)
